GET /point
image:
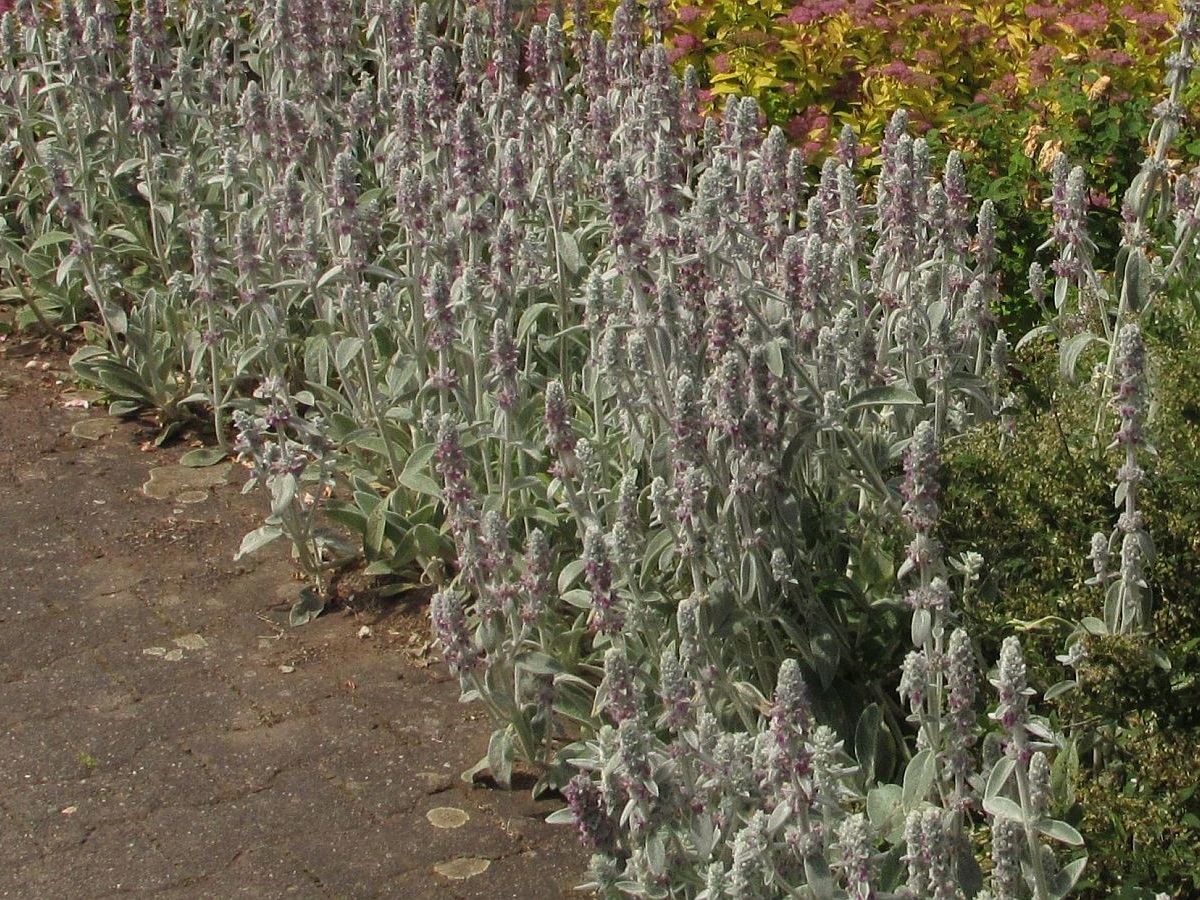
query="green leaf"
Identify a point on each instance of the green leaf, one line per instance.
(529, 317)
(202, 457)
(918, 779)
(257, 539)
(413, 475)
(49, 239)
(347, 349)
(1003, 808)
(500, 756)
(1064, 882)
(825, 654)
(306, 608)
(568, 252)
(1061, 831)
(888, 395)
(1071, 350)
(866, 740)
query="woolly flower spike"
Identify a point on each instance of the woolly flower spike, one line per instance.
(1099, 557)
(619, 686)
(598, 568)
(787, 755)
(1131, 390)
(750, 859)
(855, 840)
(559, 435)
(638, 776)
(537, 582)
(345, 190)
(1039, 785)
(439, 311)
(930, 866)
(1011, 685)
(1007, 835)
(450, 628)
(920, 490)
(586, 802)
(914, 680)
(676, 691)
(451, 463)
(792, 708)
(470, 154)
(626, 218)
(504, 365)
(962, 732)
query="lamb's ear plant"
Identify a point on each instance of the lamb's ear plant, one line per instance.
(655, 411)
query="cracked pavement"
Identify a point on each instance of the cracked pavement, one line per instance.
(162, 735)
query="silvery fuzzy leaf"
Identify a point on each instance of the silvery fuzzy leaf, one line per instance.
(1063, 687)
(49, 239)
(885, 811)
(779, 816)
(203, 457)
(918, 779)
(999, 776)
(306, 608)
(257, 538)
(656, 853)
(922, 626)
(569, 573)
(347, 349)
(1064, 882)
(500, 755)
(568, 251)
(1071, 350)
(704, 834)
(1003, 808)
(1061, 831)
(887, 395)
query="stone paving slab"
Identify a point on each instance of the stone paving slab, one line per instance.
(162, 735)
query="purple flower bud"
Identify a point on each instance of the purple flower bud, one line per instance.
(537, 581)
(560, 435)
(619, 686)
(599, 572)
(451, 464)
(931, 871)
(585, 799)
(442, 329)
(855, 839)
(1007, 840)
(920, 489)
(450, 629)
(676, 691)
(1011, 686)
(751, 858)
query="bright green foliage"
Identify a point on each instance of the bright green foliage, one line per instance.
(1029, 507)
(1008, 85)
